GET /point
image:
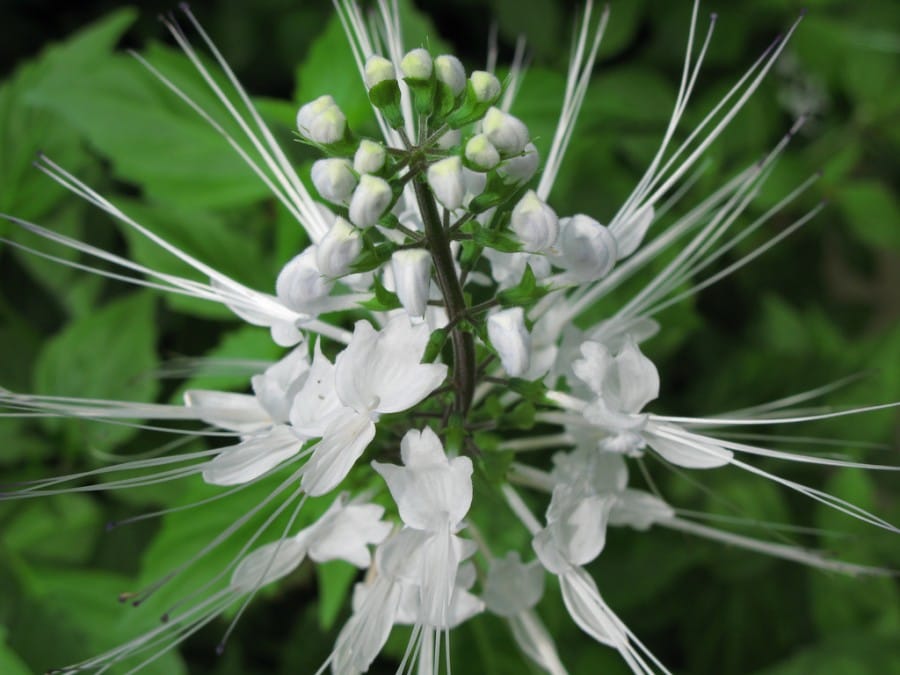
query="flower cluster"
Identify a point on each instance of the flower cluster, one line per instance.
(440, 233)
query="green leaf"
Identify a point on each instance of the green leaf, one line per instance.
(63, 528)
(335, 581)
(384, 300)
(873, 212)
(109, 354)
(523, 294)
(152, 138)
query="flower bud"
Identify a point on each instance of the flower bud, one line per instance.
(485, 86)
(507, 133)
(334, 179)
(446, 181)
(321, 121)
(300, 283)
(521, 168)
(338, 249)
(418, 68)
(384, 92)
(451, 72)
(411, 269)
(508, 335)
(370, 200)
(417, 64)
(369, 157)
(481, 155)
(587, 248)
(377, 70)
(534, 223)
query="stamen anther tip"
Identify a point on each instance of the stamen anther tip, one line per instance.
(220, 649)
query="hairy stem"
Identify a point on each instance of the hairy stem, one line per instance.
(445, 272)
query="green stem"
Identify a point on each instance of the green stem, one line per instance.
(448, 282)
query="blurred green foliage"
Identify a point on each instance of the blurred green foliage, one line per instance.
(820, 306)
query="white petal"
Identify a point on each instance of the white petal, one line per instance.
(344, 441)
(508, 335)
(236, 412)
(276, 388)
(252, 458)
(588, 610)
(690, 455)
(317, 403)
(639, 510)
(512, 587)
(630, 234)
(267, 564)
(346, 534)
(638, 378)
(594, 367)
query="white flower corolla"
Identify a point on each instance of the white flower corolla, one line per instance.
(485, 86)
(377, 70)
(505, 132)
(475, 182)
(338, 249)
(451, 72)
(630, 233)
(534, 223)
(379, 372)
(276, 387)
(481, 154)
(343, 532)
(587, 249)
(370, 200)
(512, 586)
(252, 457)
(509, 336)
(433, 493)
(411, 273)
(446, 180)
(623, 385)
(520, 168)
(369, 157)
(417, 64)
(300, 284)
(321, 121)
(334, 179)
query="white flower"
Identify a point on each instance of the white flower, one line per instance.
(338, 249)
(370, 200)
(446, 180)
(411, 272)
(534, 223)
(334, 179)
(379, 372)
(343, 532)
(508, 335)
(321, 121)
(623, 384)
(433, 493)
